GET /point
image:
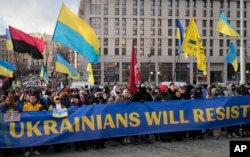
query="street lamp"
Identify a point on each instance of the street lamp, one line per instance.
(158, 76)
(247, 73)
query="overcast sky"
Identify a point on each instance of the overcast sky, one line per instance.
(33, 16)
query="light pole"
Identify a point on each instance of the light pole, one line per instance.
(149, 71)
(52, 77)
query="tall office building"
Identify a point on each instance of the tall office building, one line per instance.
(151, 25)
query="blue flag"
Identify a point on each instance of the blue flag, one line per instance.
(231, 57)
(179, 34)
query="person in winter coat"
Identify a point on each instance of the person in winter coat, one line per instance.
(141, 96)
(9, 104)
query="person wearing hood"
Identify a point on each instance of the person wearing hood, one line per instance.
(141, 96)
(232, 90)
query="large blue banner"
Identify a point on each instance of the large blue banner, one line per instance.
(121, 119)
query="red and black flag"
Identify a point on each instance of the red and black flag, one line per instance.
(24, 43)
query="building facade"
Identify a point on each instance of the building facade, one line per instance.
(151, 25)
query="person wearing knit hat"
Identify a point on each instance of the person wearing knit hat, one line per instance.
(163, 88)
(162, 95)
(67, 90)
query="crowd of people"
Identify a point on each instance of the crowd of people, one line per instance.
(23, 100)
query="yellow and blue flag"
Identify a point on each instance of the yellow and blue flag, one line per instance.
(63, 66)
(9, 45)
(76, 34)
(90, 75)
(231, 57)
(225, 27)
(180, 36)
(6, 68)
(192, 45)
(44, 75)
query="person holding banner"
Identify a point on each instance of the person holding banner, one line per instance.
(141, 96)
(232, 131)
(65, 100)
(32, 105)
(196, 93)
(98, 99)
(57, 106)
(76, 102)
(215, 131)
(10, 105)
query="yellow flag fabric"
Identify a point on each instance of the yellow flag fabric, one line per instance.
(90, 76)
(192, 45)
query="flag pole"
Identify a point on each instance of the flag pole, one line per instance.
(178, 61)
(18, 69)
(242, 53)
(47, 57)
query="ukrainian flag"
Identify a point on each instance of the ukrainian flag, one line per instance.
(179, 35)
(225, 27)
(9, 45)
(231, 57)
(76, 34)
(63, 66)
(90, 76)
(6, 68)
(44, 75)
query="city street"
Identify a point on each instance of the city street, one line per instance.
(188, 148)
